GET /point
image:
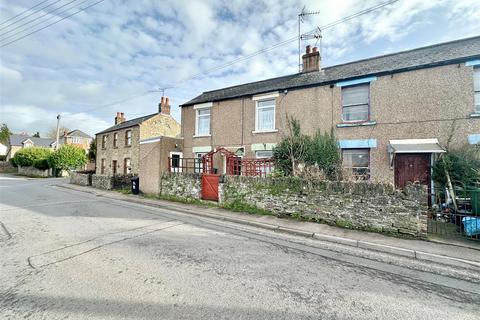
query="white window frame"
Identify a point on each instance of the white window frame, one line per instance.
(257, 107)
(263, 157)
(176, 153)
(355, 105)
(197, 109)
(476, 70)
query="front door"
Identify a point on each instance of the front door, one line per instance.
(412, 167)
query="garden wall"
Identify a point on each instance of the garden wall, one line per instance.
(186, 185)
(363, 205)
(358, 205)
(106, 182)
(33, 172)
(83, 179)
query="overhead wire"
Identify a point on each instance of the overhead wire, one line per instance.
(23, 18)
(51, 24)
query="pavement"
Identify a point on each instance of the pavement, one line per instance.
(71, 254)
(453, 254)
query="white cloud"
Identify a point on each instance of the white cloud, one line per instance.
(120, 48)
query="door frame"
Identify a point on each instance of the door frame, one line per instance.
(176, 153)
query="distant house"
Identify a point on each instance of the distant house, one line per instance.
(119, 147)
(3, 149)
(20, 141)
(77, 138)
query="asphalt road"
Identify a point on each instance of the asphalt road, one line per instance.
(71, 255)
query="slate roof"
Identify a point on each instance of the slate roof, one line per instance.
(129, 123)
(439, 54)
(78, 133)
(18, 139)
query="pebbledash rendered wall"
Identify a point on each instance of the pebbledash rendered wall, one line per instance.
(363, 205)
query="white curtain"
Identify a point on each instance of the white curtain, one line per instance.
(266, 115)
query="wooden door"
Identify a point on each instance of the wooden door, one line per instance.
(414, 167)
(210, 186)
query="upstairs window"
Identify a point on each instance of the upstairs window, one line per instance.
(265, 115)
(115, 140)
(357, 161)
(203, 122)
(104, 141)
(476, 84)
(128, 137)
(356, 103)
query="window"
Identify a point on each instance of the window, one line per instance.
(358, 161)
(266, 154)
(355, 102)
(265, 115)
(114, 167)
(102, 167)
(115, 140)
(76, 140)
(104, 141)
(199, 161)
(126, 166)
(203, 122)
(476, 81)
(128, 137)
(176, 161)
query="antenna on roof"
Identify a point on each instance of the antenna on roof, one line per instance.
(302, 14)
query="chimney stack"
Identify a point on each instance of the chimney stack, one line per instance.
(120, 118)
(164, 106)
(311, 60)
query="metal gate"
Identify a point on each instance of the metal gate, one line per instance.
(210, 186)
(457, 223)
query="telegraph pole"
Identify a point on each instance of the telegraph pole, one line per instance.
(58, 128)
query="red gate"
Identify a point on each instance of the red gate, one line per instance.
(210, 186)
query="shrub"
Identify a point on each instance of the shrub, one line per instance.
(324, 153)
(67, 157)
(41, 164)
(27, 156)
(3, 158)
(12, 162)
(463, 166)
(298, 154)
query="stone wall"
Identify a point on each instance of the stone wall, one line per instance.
(102, 181)
(361, 205)
(107, 182)
(181, 185)
(33, 172)
(83, 179)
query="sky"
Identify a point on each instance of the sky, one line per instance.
(84, 65)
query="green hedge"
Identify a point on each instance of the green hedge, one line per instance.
(26, 157)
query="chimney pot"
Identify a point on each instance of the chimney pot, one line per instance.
(164, 106)
(311, 60)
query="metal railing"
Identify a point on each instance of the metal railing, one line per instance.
(460, 222)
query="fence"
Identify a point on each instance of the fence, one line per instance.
(460, 222)
(234, 166)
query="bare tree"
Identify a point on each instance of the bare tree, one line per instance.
(52, 133)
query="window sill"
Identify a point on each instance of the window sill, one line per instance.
(264, 131)
(475, 115)
(202, 135)
(356, 124)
